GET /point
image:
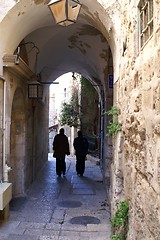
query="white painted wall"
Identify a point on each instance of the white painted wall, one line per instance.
(59, 93)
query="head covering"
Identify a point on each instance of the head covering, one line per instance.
(80, 134)
(61, 131)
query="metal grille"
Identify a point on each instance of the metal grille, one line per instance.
(146, 20)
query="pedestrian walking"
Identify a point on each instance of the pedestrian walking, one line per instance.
(61, 149)
(81, 149)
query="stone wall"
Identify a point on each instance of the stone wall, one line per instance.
(26, 132)
(136, 166)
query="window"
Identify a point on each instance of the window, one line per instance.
(146, 20)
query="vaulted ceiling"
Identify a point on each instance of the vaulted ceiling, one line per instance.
(83, 47)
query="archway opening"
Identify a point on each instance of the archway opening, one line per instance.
(74, 104)
(84, 48)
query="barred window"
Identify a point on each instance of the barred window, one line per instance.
(145, 20)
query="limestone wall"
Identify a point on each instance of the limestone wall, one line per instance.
(136, 164)
(5, 6)
(26, 132)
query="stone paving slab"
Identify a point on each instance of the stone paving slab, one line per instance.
(52, 204)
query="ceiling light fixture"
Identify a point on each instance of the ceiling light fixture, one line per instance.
(65, 12)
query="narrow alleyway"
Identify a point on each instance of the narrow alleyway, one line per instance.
(65, 208)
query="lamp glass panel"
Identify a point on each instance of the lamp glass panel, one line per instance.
(73, 2)
(58, 10)
(73, 12)
(33, 93)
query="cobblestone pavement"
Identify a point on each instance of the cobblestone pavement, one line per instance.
(66, 208)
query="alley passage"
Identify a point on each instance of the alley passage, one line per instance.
(66, 208)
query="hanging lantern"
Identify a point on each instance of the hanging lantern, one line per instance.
(35, 90)
(65, 12)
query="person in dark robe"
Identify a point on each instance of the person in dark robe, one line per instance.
(61, 149)
(81, 149)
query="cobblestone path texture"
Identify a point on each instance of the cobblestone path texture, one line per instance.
(66, 208)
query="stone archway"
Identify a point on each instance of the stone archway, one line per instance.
(17, 143)
(88, 47)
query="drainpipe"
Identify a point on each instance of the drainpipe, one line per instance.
(102, 126)
(6, 169)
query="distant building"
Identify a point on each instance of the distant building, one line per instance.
(59, 93)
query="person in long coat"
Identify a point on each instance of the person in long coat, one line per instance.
(61, 149)
(81, 149)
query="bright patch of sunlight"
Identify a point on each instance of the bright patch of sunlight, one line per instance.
(58, 94)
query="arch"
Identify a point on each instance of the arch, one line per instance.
(36, 16)
(86, 47)
(17, 143)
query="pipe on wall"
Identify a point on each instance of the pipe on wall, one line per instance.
(4, 125)
(5, 168)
